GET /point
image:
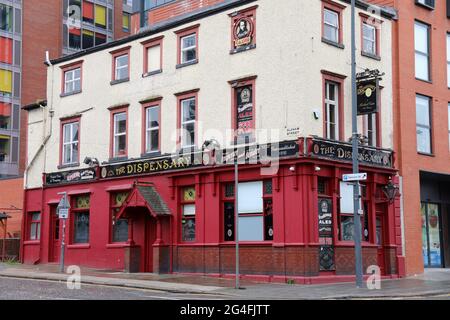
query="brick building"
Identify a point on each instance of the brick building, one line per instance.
(27, 30)
(422, 128)
(132, 159)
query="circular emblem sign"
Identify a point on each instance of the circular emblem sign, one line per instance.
(243, 31)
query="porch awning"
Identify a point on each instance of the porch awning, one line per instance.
(145, 195)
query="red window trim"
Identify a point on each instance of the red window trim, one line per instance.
(114, 111)
(146, 105)
(118, 53)
(338, 79)
(338, 8)
(112, 206)
(235, 84)
(185, 32)
(71, 226)
(63, 122)
(248, 12)
(365, 20)
(158, 41)
(30, 222)
(182, 204)
(180, 97)
(70, 67)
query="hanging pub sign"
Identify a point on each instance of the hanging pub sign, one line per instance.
(244, 112)
(367, 91)
(243, 32)
(67, 177)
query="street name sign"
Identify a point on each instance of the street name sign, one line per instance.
(354, 177)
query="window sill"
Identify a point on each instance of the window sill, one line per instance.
(71, 165)
(371, 56)
(426, 154)
(186, 64)
(114, 82)
(67, 94)
(423, 80)
(117, 159)
(152, 73)
(32, 242)
(118, 245)
(151, 155)
(79, 246)
(332, 43)
(243, 49)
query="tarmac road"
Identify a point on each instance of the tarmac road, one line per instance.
(29, 289)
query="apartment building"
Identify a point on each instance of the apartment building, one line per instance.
(27, 30)
(147, 165)
(422, 128)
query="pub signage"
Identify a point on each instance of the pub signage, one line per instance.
(245, 155)
(343, 152)
(367, 91)
(68, 177)
(243, 32)
(244, 110)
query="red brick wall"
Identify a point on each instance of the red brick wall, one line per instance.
(118, 22)
(11, 196)
(172, 10)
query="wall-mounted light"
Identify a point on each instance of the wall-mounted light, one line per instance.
(390, 190)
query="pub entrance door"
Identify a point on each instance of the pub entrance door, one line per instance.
(55, 235)
(380, 237)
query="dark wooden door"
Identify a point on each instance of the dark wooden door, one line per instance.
(55, 235)
(380, 238)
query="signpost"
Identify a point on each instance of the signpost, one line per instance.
(63, 213)
(354, 177)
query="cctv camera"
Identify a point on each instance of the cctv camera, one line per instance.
(292, 169)
(317, 168)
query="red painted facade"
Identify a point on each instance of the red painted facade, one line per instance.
(155, 240)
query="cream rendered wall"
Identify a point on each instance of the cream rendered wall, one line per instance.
(288, 60)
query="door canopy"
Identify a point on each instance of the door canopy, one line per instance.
(145, 195)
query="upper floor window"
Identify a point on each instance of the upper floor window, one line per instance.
(70, 142)
(6, 18)
(153, 56)
(119, 132)
(423, 124)
(448, 60)
(369, 39)
(6, 83)
(187, 46)
(121, 65)
(152, 128)
(332, 110)
(126, 22)
(422, 50)
(187, 125)
(6, 51)
(331, 25)
(370, 126)
(71, 78)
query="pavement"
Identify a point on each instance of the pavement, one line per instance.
(433, 283)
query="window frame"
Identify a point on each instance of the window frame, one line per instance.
(430, 125)
(337, 9)
(67, 68)
(73, 212)
(427, 55)
(339, 81)
(183, 203)
(192, 94)
(154, 42)
(114, 56)
(185, 33)
(156, 103)
(116, 111)
(36, 224)
(231, 199)
(112, 207)
(365, 20)
(65, 122)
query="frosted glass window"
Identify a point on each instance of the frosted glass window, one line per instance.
(250, 197)
(346, 197)
(251, 228)
(189, 210)
(154, 58)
